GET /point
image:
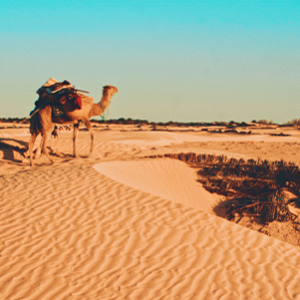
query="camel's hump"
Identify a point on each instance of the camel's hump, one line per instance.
(86, 98)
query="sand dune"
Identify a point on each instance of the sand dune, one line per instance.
(117, 226)
(167, 178)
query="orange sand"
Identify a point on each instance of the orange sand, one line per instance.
(118, 226)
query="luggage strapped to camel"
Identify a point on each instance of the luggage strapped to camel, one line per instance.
(56, 93)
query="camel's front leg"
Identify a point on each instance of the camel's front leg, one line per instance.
(75, 134)
(89, 127)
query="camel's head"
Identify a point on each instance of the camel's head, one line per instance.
(110, 89)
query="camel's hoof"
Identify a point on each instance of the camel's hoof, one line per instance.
(25, 160)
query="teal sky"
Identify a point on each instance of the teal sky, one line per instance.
(187, 61)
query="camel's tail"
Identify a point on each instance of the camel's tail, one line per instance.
(35, 124)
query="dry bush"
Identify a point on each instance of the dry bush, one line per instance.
(293, 122)
(252, 187)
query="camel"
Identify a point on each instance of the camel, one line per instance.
(43, 121)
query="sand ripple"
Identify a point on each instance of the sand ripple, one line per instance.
(72, 233)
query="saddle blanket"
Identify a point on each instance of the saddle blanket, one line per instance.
(53, 86)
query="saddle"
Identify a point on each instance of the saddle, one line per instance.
(56, 94)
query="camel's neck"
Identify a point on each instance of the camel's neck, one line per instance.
(101, 107)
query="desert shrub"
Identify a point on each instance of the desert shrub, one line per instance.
(293, 122)
(265, 122)
(252, 187)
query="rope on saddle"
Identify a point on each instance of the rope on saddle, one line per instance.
(104, 116)
(34, 112)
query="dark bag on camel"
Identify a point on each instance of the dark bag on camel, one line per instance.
(57, 93)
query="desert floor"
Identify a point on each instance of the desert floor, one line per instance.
(121, 225)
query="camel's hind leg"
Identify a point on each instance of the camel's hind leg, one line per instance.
(30, 147)
(43, 146)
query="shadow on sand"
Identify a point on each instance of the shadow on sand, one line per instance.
(16, 151)
(13, 150)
